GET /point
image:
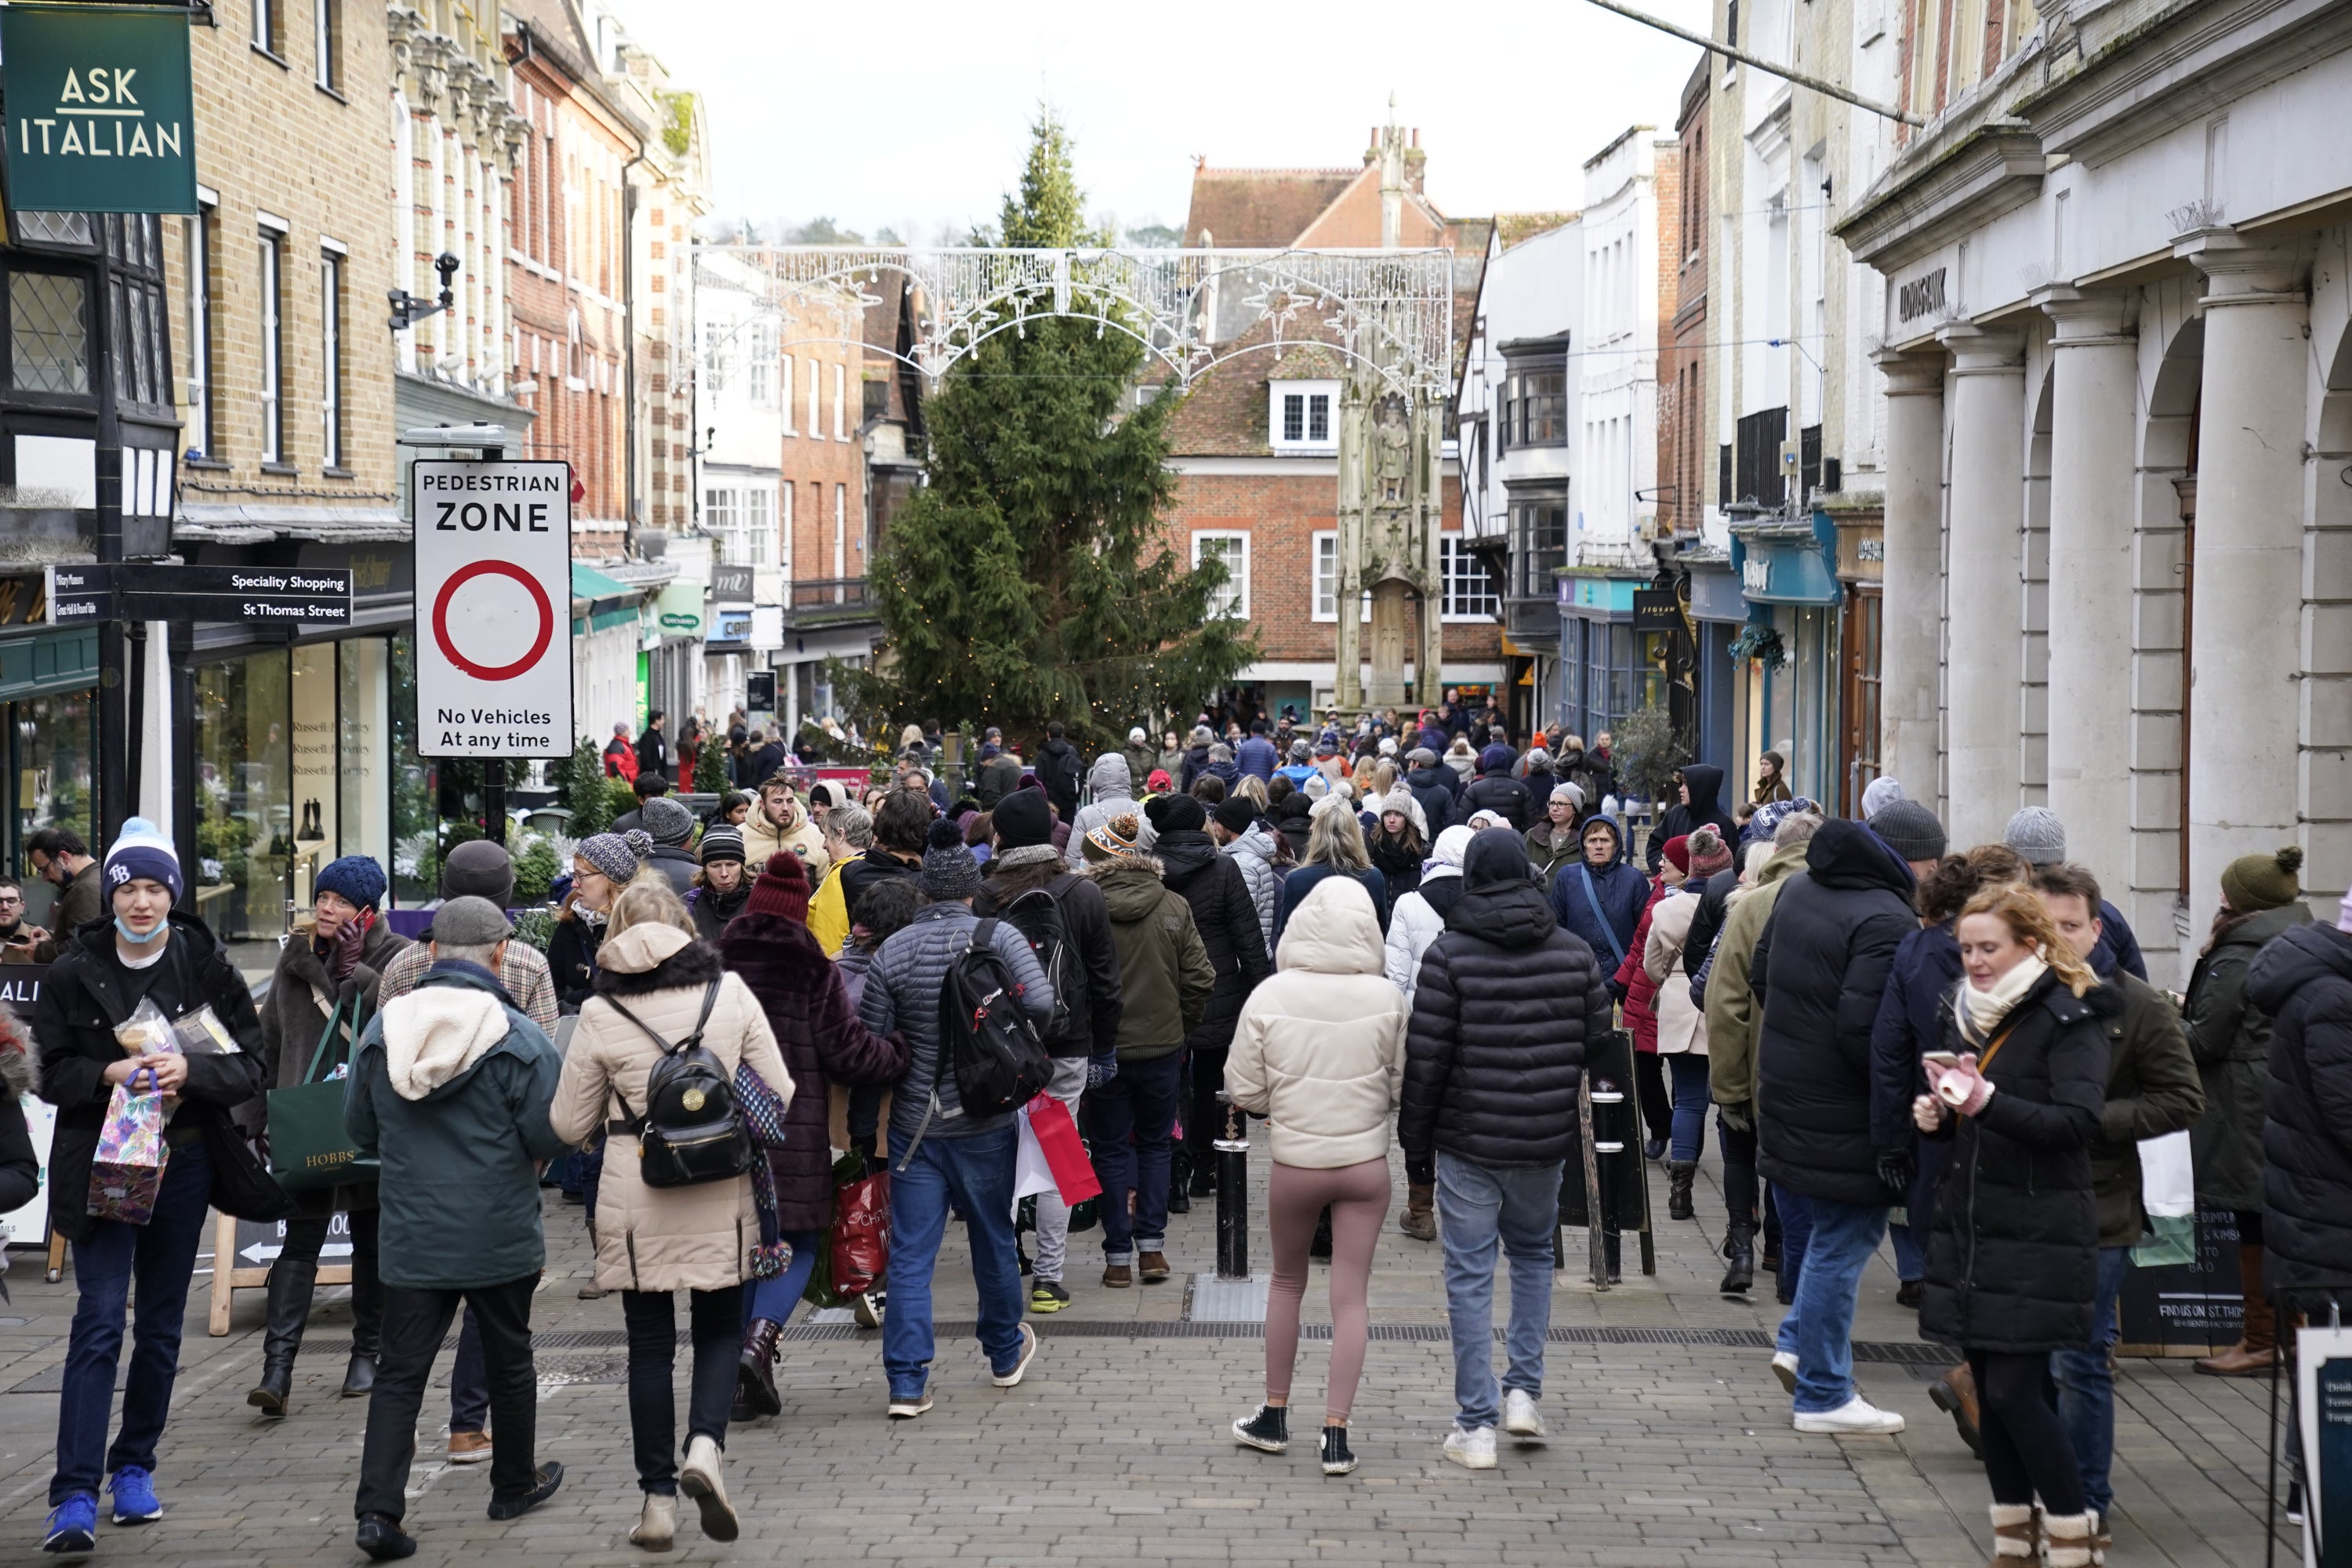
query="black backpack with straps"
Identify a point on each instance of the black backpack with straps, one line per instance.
(693, 1128)
(998, 1063)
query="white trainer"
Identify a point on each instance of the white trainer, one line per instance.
(1520, 1418)
(1784, 1367)
(1473, 1449)
(1856, 1417)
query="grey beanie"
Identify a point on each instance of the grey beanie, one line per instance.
(616, 854)
(666, 822)
(947, 875)
(469, 921)
(1910, 830)
(2037, 836)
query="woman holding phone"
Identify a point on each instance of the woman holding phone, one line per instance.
(2013, 1260)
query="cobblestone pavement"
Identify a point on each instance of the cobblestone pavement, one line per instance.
(1671, 1441)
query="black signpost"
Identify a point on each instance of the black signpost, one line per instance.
(283, 595)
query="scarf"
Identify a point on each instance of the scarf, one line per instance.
(1979, 1013)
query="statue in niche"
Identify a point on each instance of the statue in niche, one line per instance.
(1391, 450)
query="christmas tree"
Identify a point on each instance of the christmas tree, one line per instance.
(1031, 579)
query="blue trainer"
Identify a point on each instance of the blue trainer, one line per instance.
(134, 1496)
(73, 1525)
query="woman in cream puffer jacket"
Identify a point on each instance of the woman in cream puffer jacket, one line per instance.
(1320, 1052)
(651, 1242)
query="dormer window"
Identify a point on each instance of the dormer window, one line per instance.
(1303, 415)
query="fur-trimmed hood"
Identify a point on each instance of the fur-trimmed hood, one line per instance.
(20, 1066)
(690, 963)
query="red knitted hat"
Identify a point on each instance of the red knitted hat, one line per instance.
(782, 888)
(1677, 850)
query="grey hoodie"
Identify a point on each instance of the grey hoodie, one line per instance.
(1111, 792)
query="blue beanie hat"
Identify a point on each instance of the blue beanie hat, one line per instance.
(141, 850)
(356, 879)
(1497, 759)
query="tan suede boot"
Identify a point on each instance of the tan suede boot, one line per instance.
(2069, 1539)
(2250, 1356)
(2016, 1534)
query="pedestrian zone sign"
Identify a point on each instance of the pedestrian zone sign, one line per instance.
(493, 603)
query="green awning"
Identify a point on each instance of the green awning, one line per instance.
(589, 583)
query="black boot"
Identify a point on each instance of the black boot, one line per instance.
(755, 1371)
(1179, 1180)
(367, 1309)
(291, 1284)
(1205, 1175)
(1739, 1251)
(1319, 1248)
(1679, 1174)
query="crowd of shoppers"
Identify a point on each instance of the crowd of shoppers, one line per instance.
(1427, 936)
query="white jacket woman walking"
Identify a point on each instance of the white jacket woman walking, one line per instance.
(1682, 1023)
(1320, 1052)
(653, 982)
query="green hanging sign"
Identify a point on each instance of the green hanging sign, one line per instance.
(100, 114)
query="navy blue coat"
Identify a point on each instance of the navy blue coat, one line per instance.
(1911, 1020)
(1623, 893)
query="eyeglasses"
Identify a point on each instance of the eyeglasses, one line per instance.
(11, 899)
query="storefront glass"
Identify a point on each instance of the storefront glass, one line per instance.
(244, 796)
(363, 713)
(413, 819)
(53, 764)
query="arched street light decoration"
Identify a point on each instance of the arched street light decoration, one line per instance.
(1390, 311)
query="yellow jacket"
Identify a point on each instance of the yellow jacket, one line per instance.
(828, 917)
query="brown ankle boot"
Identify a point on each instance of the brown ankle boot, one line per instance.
(2069, 1539)
(2250, 1356)
(2016, 1535)
(1419, 1220)
(1955, 1394)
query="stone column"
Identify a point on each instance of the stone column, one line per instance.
(2093, 490)
(2245, 660)
(1985, 593)
(1910, 644)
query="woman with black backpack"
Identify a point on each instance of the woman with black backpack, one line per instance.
(657, 989)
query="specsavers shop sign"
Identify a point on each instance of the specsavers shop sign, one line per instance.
(493, 608)
(99, 113)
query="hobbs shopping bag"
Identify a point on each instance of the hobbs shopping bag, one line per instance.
(861, 1232)
(307, 1146)
(127, 1174)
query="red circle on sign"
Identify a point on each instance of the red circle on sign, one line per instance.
(466, 574)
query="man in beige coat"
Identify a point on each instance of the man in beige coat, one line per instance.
(782, 825)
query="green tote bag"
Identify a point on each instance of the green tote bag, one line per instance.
(308, 1149)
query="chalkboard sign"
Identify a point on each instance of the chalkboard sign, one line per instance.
(259, 1241)
(2183, 1308)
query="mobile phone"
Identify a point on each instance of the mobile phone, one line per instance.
(1946, 1059)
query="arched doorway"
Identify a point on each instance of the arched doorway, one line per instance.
(2167, 548)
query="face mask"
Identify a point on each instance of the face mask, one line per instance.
(122, 930)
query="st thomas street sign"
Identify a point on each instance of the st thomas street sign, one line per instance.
(100, 109)
(493, 608)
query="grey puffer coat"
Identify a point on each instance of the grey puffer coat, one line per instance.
(902, 994)
(1254, 853)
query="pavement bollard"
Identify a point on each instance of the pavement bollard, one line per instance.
(1233, 1194)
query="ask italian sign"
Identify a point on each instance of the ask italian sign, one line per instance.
(99, 110)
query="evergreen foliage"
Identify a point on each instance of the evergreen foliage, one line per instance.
(580, 787)
(1031, 579)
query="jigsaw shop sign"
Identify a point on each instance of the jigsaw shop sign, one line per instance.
(99, 113)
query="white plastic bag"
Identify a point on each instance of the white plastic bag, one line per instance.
(2167, 1181)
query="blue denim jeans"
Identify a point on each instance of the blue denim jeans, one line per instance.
(161, 1255)
(1479, 1206)
(2086, 1389)
(775, 1298)
(975, 1175)
(1820, 1327)
(1688, 1071)
(1141, 1101)
(1910, 1254)
(1795, 1213)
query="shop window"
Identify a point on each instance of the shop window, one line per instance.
(246, 817)
(363, 756)
(1539, 546)
(49, 336)
(1535, 406)
(53, 751)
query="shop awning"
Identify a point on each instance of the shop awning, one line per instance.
(599, 591)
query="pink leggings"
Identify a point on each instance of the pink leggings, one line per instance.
(1358, 1196)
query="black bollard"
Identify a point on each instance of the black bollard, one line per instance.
(1233, 1194)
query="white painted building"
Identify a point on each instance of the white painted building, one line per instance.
(2117, 344)
(740, 405)
(1518, 404)
(1616, 365)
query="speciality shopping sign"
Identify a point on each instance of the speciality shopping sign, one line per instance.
(101, 115)
(493, 602)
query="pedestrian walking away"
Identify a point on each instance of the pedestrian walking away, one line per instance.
(97, 1049)
(451, 1094)
(1320, 1051)
(940, 1156)
(2012, 1258)
(1681, 1027)
(1505, 1010)
(662, 997)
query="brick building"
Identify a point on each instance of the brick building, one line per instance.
(1255, 443)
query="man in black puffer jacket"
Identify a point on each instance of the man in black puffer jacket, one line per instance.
(1496, 791)
(1215, 884)
(1506, 1006)
(2302, 980)
(1818, 972)
(1699, 787)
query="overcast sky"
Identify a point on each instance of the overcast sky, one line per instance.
(916, 115)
